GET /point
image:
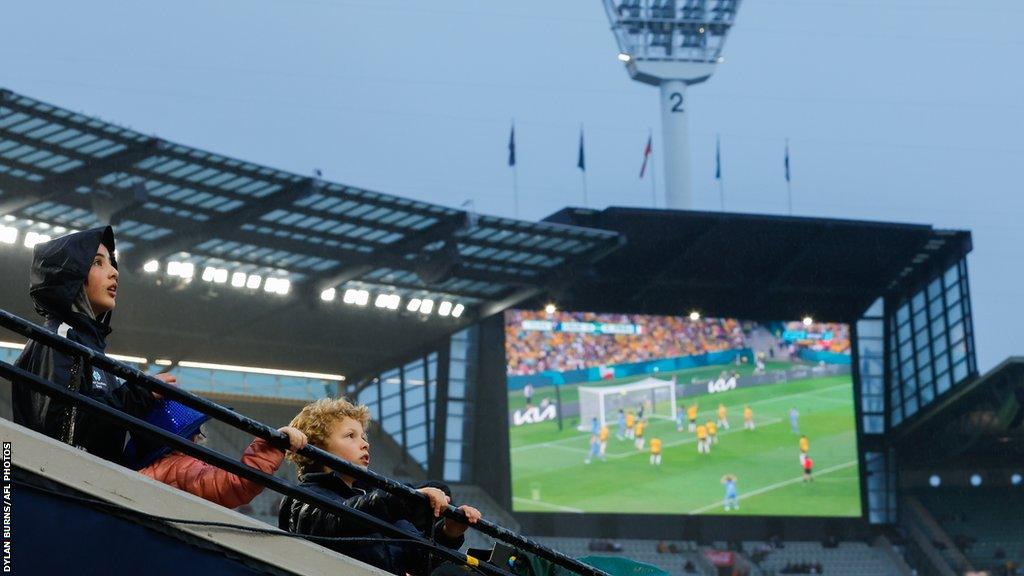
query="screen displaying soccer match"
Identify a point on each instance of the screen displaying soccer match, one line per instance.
(638, 414)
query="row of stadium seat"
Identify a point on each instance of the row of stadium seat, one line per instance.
(984, 522)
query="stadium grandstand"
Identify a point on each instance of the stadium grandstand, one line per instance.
(846, 342)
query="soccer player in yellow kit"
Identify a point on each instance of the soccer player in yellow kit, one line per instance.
(805, 446)
(691, 414)
(748, 418)
(722, 420)
(712, 432)
(603, 437)
(640, 434)
(630, 420)
(656, 451)
(702, 440)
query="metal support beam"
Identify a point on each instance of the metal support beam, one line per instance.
(58, 186)
(197, 231)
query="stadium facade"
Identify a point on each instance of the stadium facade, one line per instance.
(353, 270)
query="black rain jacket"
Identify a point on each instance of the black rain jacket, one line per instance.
(302, 518)
(59, 270)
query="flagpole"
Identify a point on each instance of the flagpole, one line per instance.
(582, 165)
(718, 171)
(515, 187)
(514, 165)
(789, 183)
(654, 192)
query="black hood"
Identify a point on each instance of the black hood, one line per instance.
(61, 266)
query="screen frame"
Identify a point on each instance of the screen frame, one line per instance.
(493, 368)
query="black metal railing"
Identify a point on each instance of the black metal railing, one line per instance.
(278, 439)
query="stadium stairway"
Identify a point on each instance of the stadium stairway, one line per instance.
(931, 539)
(992, 519)
(52, 481)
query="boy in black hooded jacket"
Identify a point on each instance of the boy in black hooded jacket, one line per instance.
(74, 287)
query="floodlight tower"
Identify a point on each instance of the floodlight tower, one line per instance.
(672, 44)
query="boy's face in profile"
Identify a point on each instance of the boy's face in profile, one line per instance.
(348, 442)
(101, 284)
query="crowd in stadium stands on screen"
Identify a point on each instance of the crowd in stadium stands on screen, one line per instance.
(532, 351)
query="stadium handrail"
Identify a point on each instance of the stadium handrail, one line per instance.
(129, 373)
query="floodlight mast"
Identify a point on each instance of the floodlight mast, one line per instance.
(672, 44)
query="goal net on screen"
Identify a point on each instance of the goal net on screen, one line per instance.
(658, 398)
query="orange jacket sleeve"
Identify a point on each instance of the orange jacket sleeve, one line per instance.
(206, 481)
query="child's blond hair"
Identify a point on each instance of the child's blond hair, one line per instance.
(316, 421)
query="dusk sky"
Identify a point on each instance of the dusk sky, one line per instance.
(896, 110)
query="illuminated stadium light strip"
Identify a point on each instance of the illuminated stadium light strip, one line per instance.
(118, 357)
(254, 370)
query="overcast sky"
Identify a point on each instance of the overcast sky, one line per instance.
(898, 110)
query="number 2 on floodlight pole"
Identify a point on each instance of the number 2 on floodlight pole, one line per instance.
(677, 101)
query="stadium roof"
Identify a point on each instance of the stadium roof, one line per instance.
(980, 421)
(754, 266)
(214, 217)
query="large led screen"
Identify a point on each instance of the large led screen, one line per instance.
(637, 414)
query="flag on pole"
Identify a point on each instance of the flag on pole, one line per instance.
(647, 155)
(580, 162)
(718, 158)
(787, 160)
(512, 146)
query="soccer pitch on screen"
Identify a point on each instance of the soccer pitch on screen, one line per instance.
(775, 394)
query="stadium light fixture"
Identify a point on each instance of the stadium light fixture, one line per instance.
(426, 306)
(444, 308)
(9, 218)
(277, 286)
(362, 297)
(389, 301)
(151, 266)
(33, 238)
(238, 279)
(1015, 479)
(672, 45)
(550, 308)
(220, 276)
(356, 296)
(208, 273)
(975, 480)
(162, 362)
(808, 320)
(458, 310)
(413, 305)
(8, 234)
(253, 281)
(59, 229)
(935, 481)
(694, 315)
(328, 295)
